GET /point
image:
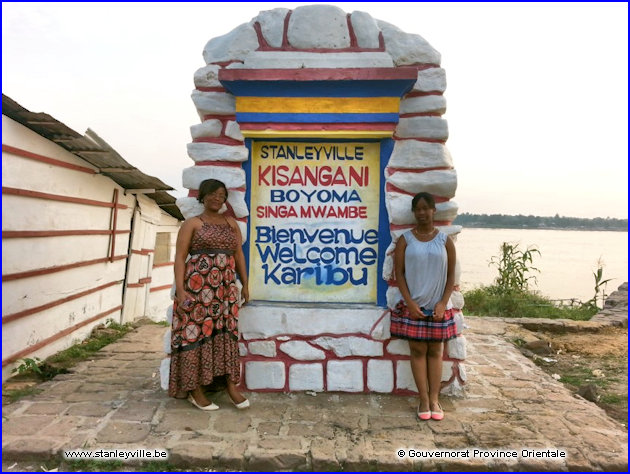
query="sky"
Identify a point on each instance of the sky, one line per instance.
(537, 94)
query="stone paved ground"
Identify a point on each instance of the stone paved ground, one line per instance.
(114, 402)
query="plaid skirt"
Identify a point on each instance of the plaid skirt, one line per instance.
(404, 327)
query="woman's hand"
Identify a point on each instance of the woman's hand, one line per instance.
(414, 311)
(184, 300)
(244, 295)
(438, 311)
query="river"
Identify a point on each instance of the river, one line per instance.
(566, 262)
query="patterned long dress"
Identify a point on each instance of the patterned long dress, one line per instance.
(204, 339)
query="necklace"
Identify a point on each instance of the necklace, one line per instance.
(415, 231)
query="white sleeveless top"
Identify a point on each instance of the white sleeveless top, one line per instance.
(426, 267)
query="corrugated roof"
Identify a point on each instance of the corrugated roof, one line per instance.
(95, 151)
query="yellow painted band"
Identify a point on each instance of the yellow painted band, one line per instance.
(317, 133)
(317, 105)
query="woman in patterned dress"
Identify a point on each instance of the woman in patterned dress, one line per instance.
(204, 335)
(424, 263)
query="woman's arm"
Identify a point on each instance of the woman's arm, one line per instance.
(239, 258)
(399, 269)
(184, 237)
(440, 307)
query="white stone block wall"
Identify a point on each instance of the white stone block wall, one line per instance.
(291, 349)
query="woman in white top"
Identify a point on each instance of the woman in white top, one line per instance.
(424, 263)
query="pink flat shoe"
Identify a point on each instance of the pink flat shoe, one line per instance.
(423, 415)
(438, 415)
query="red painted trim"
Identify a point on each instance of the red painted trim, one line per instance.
(421, 114)
(317, 126)
(353, 37)
(262, 42)
(160, 288)
(15, 234)
(135, 285)
(144, 280)
(218, 117)
(285, 30)
(231, 164)
(58, 197)
(219, 140)
(48, 270)
(165, 264)
(46, 159)
(319, 74)
(59, 335)
(392, 170)
(227, 63)
(27, 312)
(411, 94)
(142, 251)
(211, 89)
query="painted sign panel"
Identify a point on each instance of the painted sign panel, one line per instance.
(314, 222)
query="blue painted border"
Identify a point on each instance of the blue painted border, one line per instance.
(247, 167)
(256, 117)
(384, 236)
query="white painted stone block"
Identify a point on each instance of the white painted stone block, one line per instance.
(236, 199)
(263, 348)
(388, 268)
(306, 377)
(305, 59)
(429, 80)
(459, 321)
(456, 348)
(208, 128)
(458, 267)
(399, 209)
(404, 377)
(454, 389)
(414, 154)
(302, 350)
(345, 376)
(213, 103)
(169, 315)
(437, 182)
(242, 349)
(462, 372)
(428, 103)
(317, 27)
(365, 29)
(233, 130)
(447, 370)
(207, 76)
(173, 287)
(217, 152)
(281, 320)
(231, 177)
(407, 48)
(272, 25)
(189, 206)
(393, 296)
(457, 299)
(422, 127)
(166, 341)
(398, 347)
(165, 367)
(380, 376)
(232, 46)
(264, 375)
(381, 330)
(350, 346)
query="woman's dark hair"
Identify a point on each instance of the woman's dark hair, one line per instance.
(209, 186)
(428, 198)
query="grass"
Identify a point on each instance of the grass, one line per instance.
(492, 301)
(13, 395)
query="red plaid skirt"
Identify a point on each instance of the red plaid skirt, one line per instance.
(404, 327)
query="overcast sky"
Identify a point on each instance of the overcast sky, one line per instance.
(537, 94)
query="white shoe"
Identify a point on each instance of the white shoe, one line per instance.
(241, 406)
(210, 407)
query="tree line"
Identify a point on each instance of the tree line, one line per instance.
(520, 221)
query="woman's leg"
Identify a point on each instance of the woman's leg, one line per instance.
(200, 397)
(418, 360)
(235, 395)
(434, 367)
